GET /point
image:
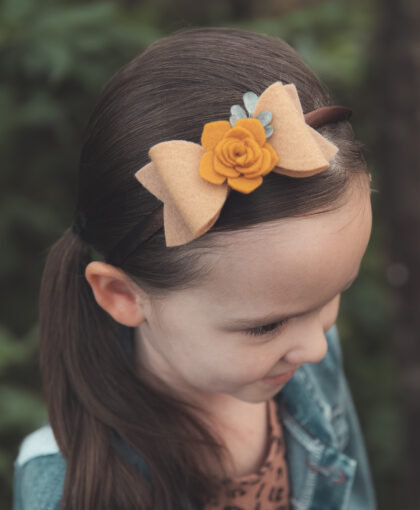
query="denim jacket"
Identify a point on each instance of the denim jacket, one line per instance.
(328, 465)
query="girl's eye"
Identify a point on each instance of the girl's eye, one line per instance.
(266, 329)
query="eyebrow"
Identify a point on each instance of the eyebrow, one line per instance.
(246, 322)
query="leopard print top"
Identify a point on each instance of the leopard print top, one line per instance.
(268, 488)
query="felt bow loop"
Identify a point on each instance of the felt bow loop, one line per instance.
(193, 180)
(191, 204)
(302, 151)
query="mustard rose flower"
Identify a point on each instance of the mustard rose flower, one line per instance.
(239, 154)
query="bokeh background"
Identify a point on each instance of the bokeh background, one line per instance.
(54, 59)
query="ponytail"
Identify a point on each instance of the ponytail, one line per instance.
(69, 319)
(64, 302)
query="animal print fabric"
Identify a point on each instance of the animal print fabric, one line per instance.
(268, 488)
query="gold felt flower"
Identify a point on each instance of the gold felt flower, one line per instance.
(240, 154)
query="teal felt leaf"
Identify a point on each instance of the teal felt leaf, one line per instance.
(269, 130)
(237, 113)
(250, 100)
(265, 117)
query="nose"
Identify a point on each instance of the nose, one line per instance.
(311, 347)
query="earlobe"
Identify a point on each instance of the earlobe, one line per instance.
(115, 292)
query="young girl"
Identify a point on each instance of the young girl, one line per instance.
(188, 348)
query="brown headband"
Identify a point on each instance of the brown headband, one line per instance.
(154, 221)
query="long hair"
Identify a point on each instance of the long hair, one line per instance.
(93, 392)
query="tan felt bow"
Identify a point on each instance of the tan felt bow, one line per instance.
(179, 171)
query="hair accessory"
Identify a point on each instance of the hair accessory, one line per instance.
(193, 180)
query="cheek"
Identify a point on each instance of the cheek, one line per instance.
(229, 369)
(329, 313)
(249, 362)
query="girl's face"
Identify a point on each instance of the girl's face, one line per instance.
(271, 296)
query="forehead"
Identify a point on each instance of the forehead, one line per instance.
(290, 262)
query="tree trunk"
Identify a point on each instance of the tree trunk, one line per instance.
(396, 112)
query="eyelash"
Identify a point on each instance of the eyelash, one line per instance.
(260, 330)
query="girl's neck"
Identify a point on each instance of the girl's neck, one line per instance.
(246, 438)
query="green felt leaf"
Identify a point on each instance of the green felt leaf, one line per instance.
(265, 117)
(269, 130)
(250, 100)
(237, 112)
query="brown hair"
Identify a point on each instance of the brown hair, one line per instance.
(93, 392)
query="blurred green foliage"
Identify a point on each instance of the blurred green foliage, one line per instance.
(56, 57)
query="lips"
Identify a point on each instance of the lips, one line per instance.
(292, 371)
(280, 379)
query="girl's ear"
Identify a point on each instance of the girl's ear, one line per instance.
(116, 293)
